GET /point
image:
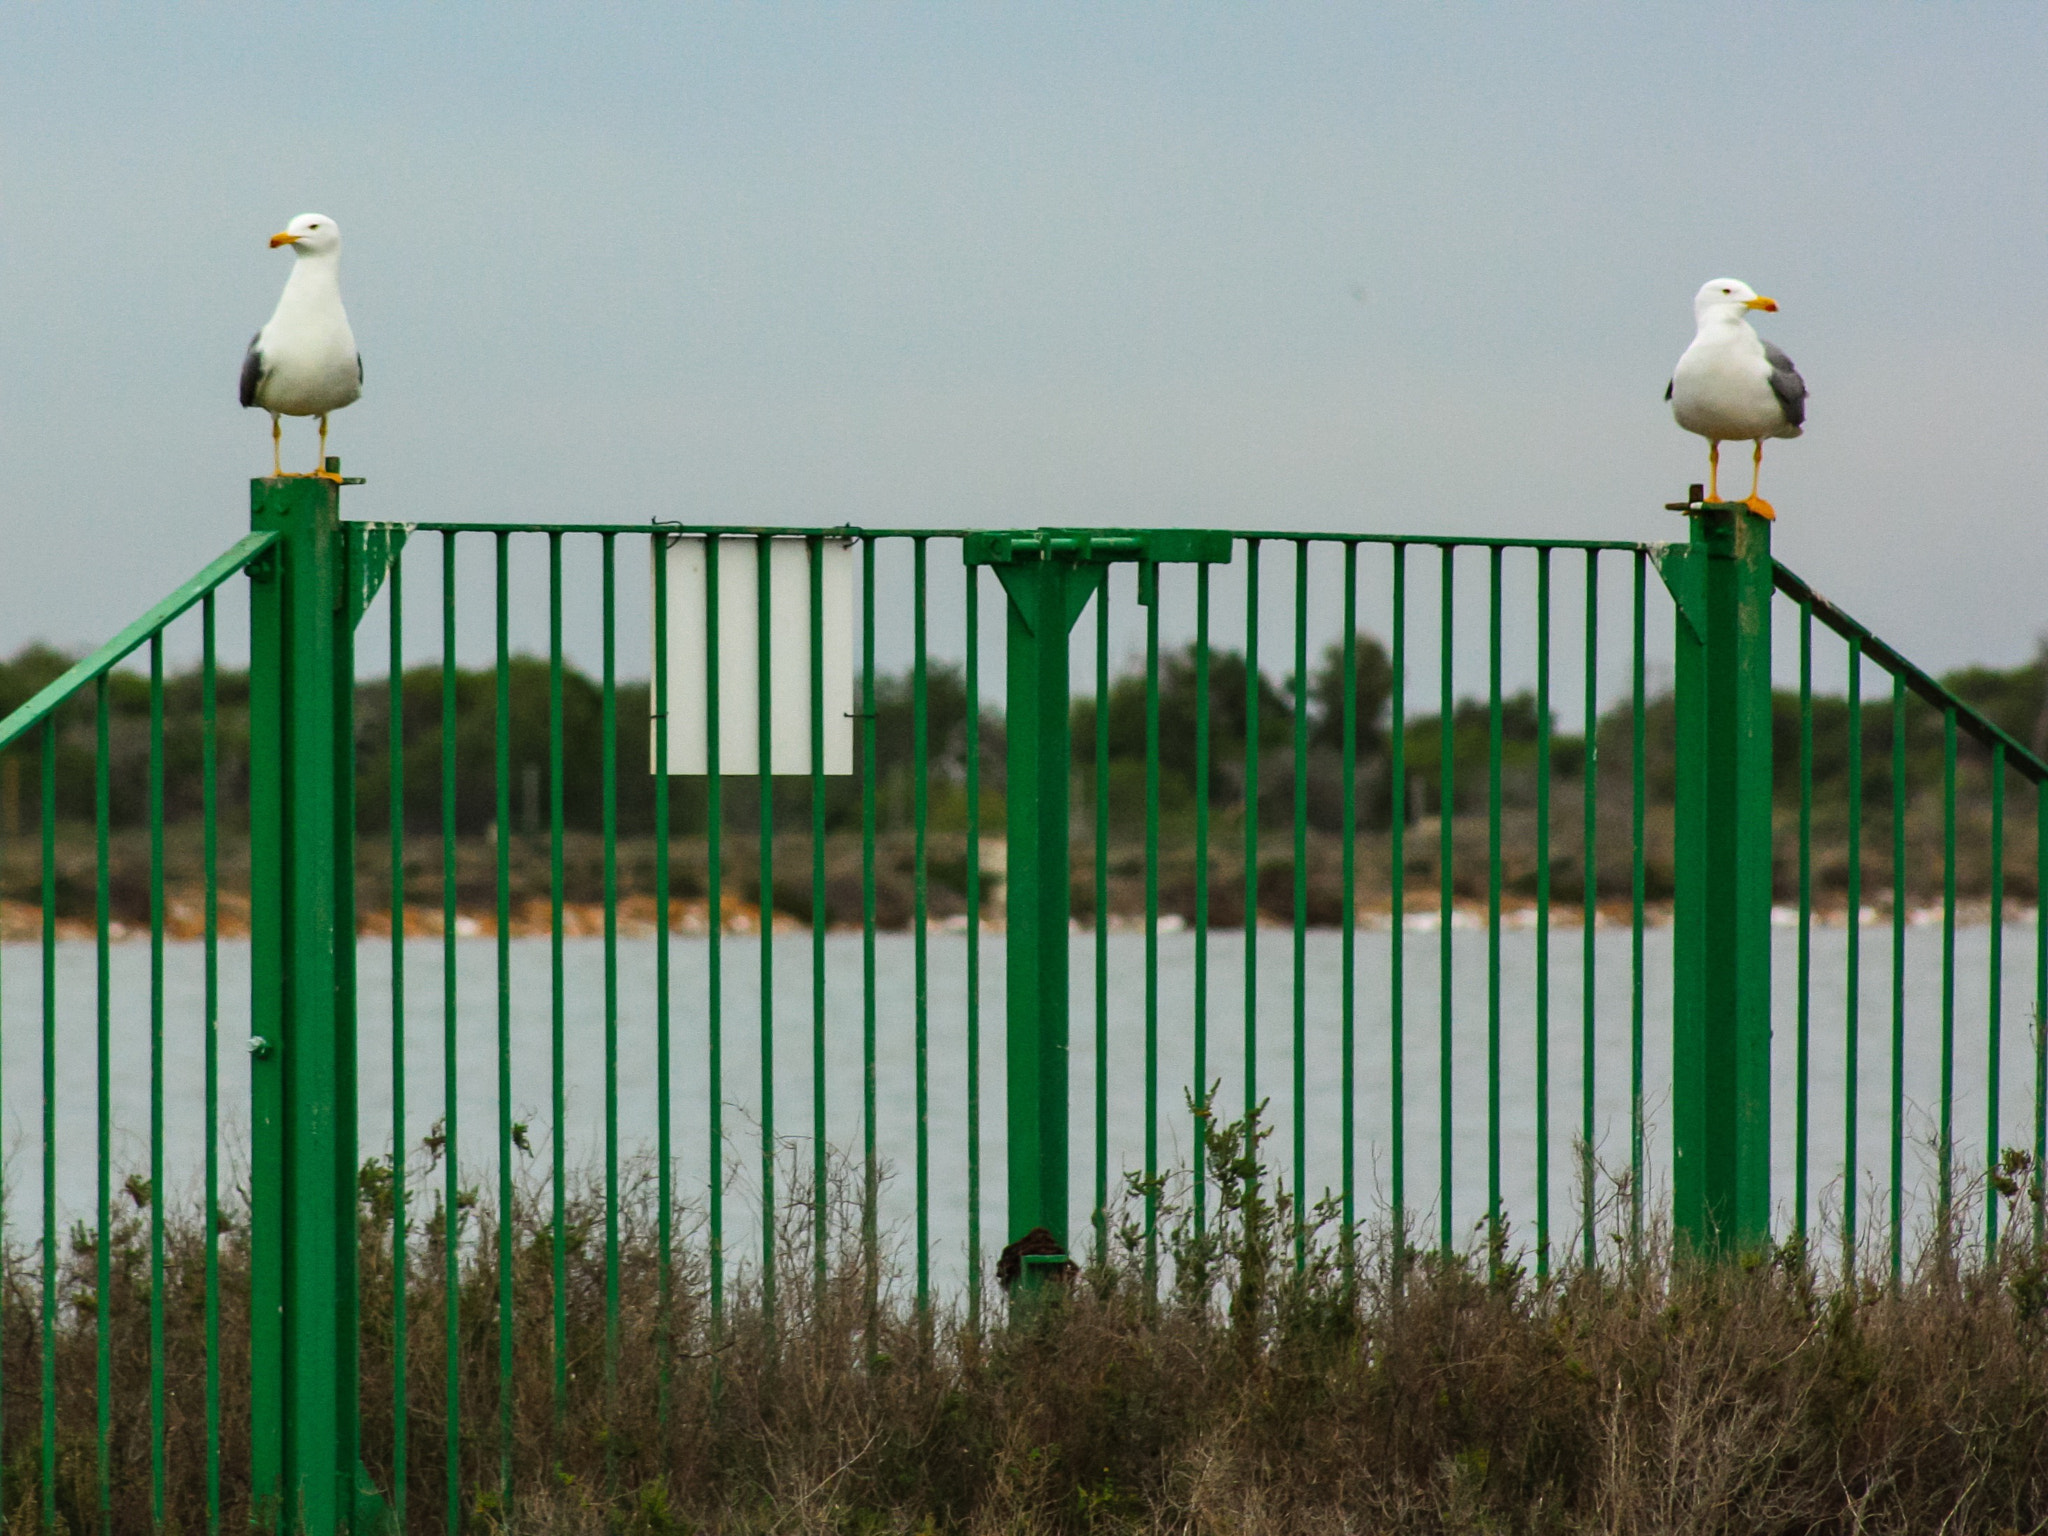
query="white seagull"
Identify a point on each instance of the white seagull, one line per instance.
(1732, 385)
(304, 361)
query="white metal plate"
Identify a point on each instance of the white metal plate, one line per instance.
(739, 655)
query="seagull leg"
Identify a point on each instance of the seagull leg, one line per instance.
(276, 446)
(320, 464)
(1713, 469)
(1756, 503)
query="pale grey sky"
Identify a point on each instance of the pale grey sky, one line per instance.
(1294, 266)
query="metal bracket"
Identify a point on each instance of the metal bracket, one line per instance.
(1087, 552)
(1680, 564)
(371, 549)
(1687, 583)
(1100, 546)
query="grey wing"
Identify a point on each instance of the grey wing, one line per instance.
(252, 371)
(1787, 385)
(359, 370)
(1669, 386)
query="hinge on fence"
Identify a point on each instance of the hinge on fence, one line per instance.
(371, 549)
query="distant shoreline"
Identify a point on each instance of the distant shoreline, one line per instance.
(21, 923)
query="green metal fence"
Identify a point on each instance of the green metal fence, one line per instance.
(1508, 945)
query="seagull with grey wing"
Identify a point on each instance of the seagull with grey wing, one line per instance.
(304, 361)
(1732, 385)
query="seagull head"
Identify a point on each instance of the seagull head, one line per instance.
(310, 234)
(1729, 297)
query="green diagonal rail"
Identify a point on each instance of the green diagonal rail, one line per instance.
(1925, 684)
(236, 558)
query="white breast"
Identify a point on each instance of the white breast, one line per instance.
(1721, 387)
(307, 351)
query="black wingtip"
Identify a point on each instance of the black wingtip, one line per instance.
(252, 373)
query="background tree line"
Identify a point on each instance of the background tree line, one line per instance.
(1239, 710)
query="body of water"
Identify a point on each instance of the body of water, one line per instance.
(1446, 1022)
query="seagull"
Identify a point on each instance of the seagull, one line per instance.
(1732, 385)
(304, 361)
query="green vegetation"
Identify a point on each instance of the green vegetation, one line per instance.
(1367, 1388)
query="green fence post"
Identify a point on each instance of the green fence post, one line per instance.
(1721, 951)
(1046, 596)
(302, 1008)
(1049, 577)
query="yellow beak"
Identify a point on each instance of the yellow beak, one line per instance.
(286, 237)
(1758, 303)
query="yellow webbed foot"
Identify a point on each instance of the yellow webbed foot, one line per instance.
(1762, 509)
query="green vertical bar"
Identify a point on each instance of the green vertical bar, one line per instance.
(558, 1223)
(1348, 1021)
(1298, 1045)
(13, 828)
(267, 888)
(973, 670)
(1637, 801)
(714, 941)
(664, 1129)
(1204, 1108)
(1589, 829)
(870, 1191)
(1046, 596)
(1898, 1106)
(1101, 924)
(1852, 1036)
(502, 769)
(209, 774)
(610, 771)
(1495, 745)
(819, 1171)
(1996, 1001)
(764, 705)
(920, 730)
(103, 1116)
(156, 1079)
(1543, 914)
(1252, 701)
(1721, 939)
(400, 1221)
(1397, 913)
(1803, 1077)
(1447, 801)
(303, 1089)
(1946, 1150)
(2040, 1001)
(451, 1179)
(49, 1243)
(1148, 593)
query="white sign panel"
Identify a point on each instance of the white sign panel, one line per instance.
(739, 655)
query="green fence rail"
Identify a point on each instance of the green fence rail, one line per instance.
(561, 1057)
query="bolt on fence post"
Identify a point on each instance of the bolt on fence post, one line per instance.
(1722, 580)
(302, 1010)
